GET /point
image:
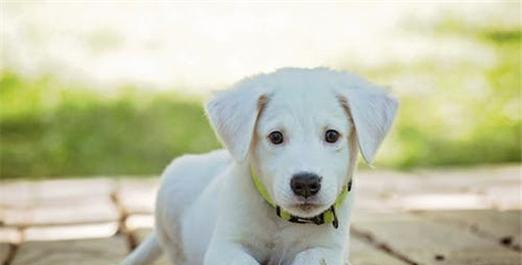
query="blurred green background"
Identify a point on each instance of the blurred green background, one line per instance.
(460, 112)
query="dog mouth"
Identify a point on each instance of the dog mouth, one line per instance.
(306, 209)
(307, 206)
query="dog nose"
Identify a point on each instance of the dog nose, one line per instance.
(305, 184)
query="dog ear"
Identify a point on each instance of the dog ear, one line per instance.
(233, 114)
(372, 111)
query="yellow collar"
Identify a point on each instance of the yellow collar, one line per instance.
(328, 216)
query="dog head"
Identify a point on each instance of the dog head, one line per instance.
(302, 129)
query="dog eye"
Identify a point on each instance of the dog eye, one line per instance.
(331, 136)
(276, 137)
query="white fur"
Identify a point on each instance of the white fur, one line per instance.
(208, 211)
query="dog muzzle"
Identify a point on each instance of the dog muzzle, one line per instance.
(328, 216)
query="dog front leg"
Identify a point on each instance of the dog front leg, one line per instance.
(319, 256)
(228, 254)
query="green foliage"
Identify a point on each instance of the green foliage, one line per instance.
(454, 114)
(472, 113)
(47, 130)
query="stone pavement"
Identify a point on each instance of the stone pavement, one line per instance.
(430, 217)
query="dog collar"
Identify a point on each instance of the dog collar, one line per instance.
(328, 216)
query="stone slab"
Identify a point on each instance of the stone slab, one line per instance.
(29, 194)
(137, 196)
(69, 232)
(504, 227)
(10, 235)
(101, 251)
(433, 243)
(5, 249)
(362, 253)
(89, 209)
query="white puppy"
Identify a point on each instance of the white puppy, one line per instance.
(280, 192)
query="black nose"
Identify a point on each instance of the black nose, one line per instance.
(305, 184)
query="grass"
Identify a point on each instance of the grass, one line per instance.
(468, 115)
(58, 132)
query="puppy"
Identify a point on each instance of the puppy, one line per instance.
(281, 192)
